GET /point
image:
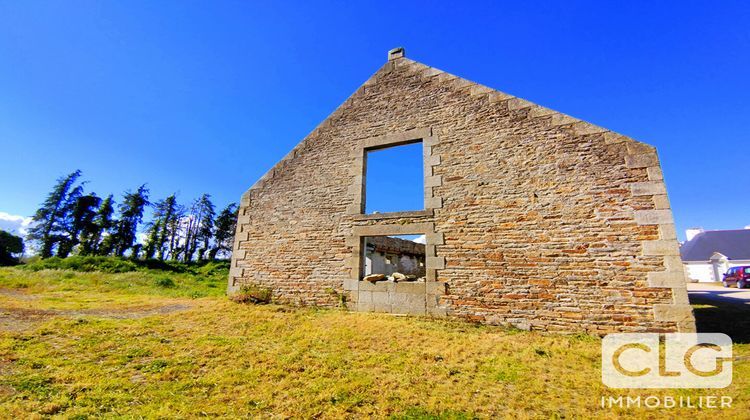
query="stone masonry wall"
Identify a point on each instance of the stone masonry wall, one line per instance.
(542, 221)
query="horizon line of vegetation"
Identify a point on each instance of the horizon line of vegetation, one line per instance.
(71, 221)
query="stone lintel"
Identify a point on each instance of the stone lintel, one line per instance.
(396, 139)
(394, 229)
(396, 215)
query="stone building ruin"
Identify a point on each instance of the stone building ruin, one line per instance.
(532, 218)
(388, 255)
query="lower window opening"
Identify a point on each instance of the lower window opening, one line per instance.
(398, 258)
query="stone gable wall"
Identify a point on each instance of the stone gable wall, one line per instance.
(544, 221)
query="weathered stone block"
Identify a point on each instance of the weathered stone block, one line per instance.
(654, 173)
(435, 288)
(647, 188)
(562, 119)
(539, 111)
(641, 161)
(417, 288)
(667, 232)
(680, 295)
(615, 138)
(638, 148)
(497, 97)
(666, 279)
(583, 128)
(653, 217)
(382, 307)
(518, 103)
(673, 313)
(660, 248)
(479, 90)
(432, 160)
(437, 311)
(408, 303)
(433, 181)
(661, 202)
(381, 286)
(433, 203)
(431, 140)
(673, 263)
(380, 298)
(364, 297)
(435, 238)
(365, 307)
(437, 263)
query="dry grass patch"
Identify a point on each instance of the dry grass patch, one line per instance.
(219, 358)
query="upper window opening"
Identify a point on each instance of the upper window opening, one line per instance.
(394, 179)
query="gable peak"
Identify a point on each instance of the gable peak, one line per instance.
(395, 53)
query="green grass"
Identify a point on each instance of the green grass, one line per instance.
(218, 358)
(197, 282)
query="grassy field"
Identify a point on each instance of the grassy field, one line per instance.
(152, 343)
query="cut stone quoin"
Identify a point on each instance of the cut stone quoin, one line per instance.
(532, 218)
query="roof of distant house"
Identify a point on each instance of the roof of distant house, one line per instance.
(387, 244)
(734, 244)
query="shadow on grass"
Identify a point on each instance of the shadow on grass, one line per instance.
(732, 319)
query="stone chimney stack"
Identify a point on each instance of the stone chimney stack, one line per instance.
(395, 53)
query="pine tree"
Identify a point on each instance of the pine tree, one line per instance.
(152, 239)
(173, 229)
(131, 214)
(79, 223)
(105, 223)
(205, 226)
(160, 231)
(49, 219)
(93, 243)
(199, 226)
(10, 246)
(225, 226)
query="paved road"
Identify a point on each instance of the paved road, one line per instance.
(710, 291)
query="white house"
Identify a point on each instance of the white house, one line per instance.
(707, 255)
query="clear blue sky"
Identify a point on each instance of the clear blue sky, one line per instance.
(395, 179)
(206, 96)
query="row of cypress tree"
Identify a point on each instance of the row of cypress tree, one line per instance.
(73, 221)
